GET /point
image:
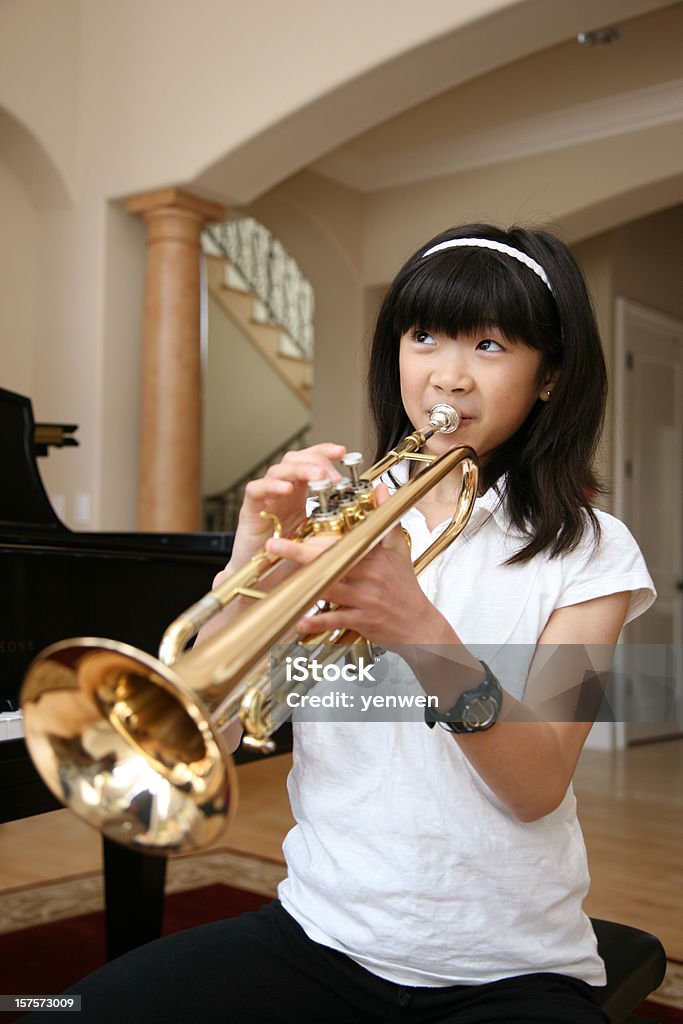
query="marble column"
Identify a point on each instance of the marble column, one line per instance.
(169, 496)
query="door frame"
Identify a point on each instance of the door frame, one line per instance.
(625, 308)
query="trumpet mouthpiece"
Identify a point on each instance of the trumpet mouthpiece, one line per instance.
(445, 418)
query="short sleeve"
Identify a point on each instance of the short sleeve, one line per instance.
(611, 565)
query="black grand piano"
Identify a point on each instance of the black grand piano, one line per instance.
(57, 584)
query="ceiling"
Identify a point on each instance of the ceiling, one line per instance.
(556, 97)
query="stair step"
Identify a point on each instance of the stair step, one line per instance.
(271, 340)
(233, 278)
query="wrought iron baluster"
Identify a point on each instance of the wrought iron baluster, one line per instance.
(268, 270)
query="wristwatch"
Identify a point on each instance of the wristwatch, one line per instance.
(474, 711)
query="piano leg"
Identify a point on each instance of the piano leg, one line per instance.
(134, 897)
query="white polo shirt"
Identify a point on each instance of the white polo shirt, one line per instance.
(402, 857)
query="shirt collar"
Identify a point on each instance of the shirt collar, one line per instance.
(491, 504)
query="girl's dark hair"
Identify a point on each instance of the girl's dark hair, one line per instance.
(548, 462)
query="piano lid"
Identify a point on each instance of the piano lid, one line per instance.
(23, 498)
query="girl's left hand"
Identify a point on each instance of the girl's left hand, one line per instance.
(379, 598)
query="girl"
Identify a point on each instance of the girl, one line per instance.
(438, 874)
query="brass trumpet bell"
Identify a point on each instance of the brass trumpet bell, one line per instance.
(119, 738)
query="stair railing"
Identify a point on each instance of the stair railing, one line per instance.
(270, 272)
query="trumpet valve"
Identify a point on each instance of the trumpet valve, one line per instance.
(346, 503)
(352, 461)
(321, 491)
(327, 517)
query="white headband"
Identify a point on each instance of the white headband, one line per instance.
(488, 243)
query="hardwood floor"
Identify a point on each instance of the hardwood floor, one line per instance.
(631, 807)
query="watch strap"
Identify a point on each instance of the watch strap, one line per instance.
(474, 711)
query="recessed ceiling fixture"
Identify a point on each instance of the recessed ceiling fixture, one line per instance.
(599, 36)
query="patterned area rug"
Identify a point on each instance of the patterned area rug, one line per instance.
(666, 1004)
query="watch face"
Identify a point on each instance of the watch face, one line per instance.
(480, 713)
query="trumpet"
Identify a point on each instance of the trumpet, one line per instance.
(134, 744)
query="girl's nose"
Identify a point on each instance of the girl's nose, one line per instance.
(452, 377)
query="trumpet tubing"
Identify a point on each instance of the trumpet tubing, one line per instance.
(133, 743)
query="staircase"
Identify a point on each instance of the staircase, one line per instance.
(261, 290)
(248, 312)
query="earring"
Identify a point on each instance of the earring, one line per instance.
(548, 393)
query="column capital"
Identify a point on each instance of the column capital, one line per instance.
(174, 199)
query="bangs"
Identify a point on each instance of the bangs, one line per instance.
(462, 291)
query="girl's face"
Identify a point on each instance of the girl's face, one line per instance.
(490, 380)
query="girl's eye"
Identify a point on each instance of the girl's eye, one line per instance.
(424, 338)
(489, 345)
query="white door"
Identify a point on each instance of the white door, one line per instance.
(649, 499)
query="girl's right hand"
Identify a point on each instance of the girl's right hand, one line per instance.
(283, 492)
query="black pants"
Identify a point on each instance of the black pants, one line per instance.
(261, 968)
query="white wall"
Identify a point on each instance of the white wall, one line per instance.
(123, 283)
(18, 284)
(248, 409)
(40, 89)
(648, 261)
(642, 261)
(69, 358)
